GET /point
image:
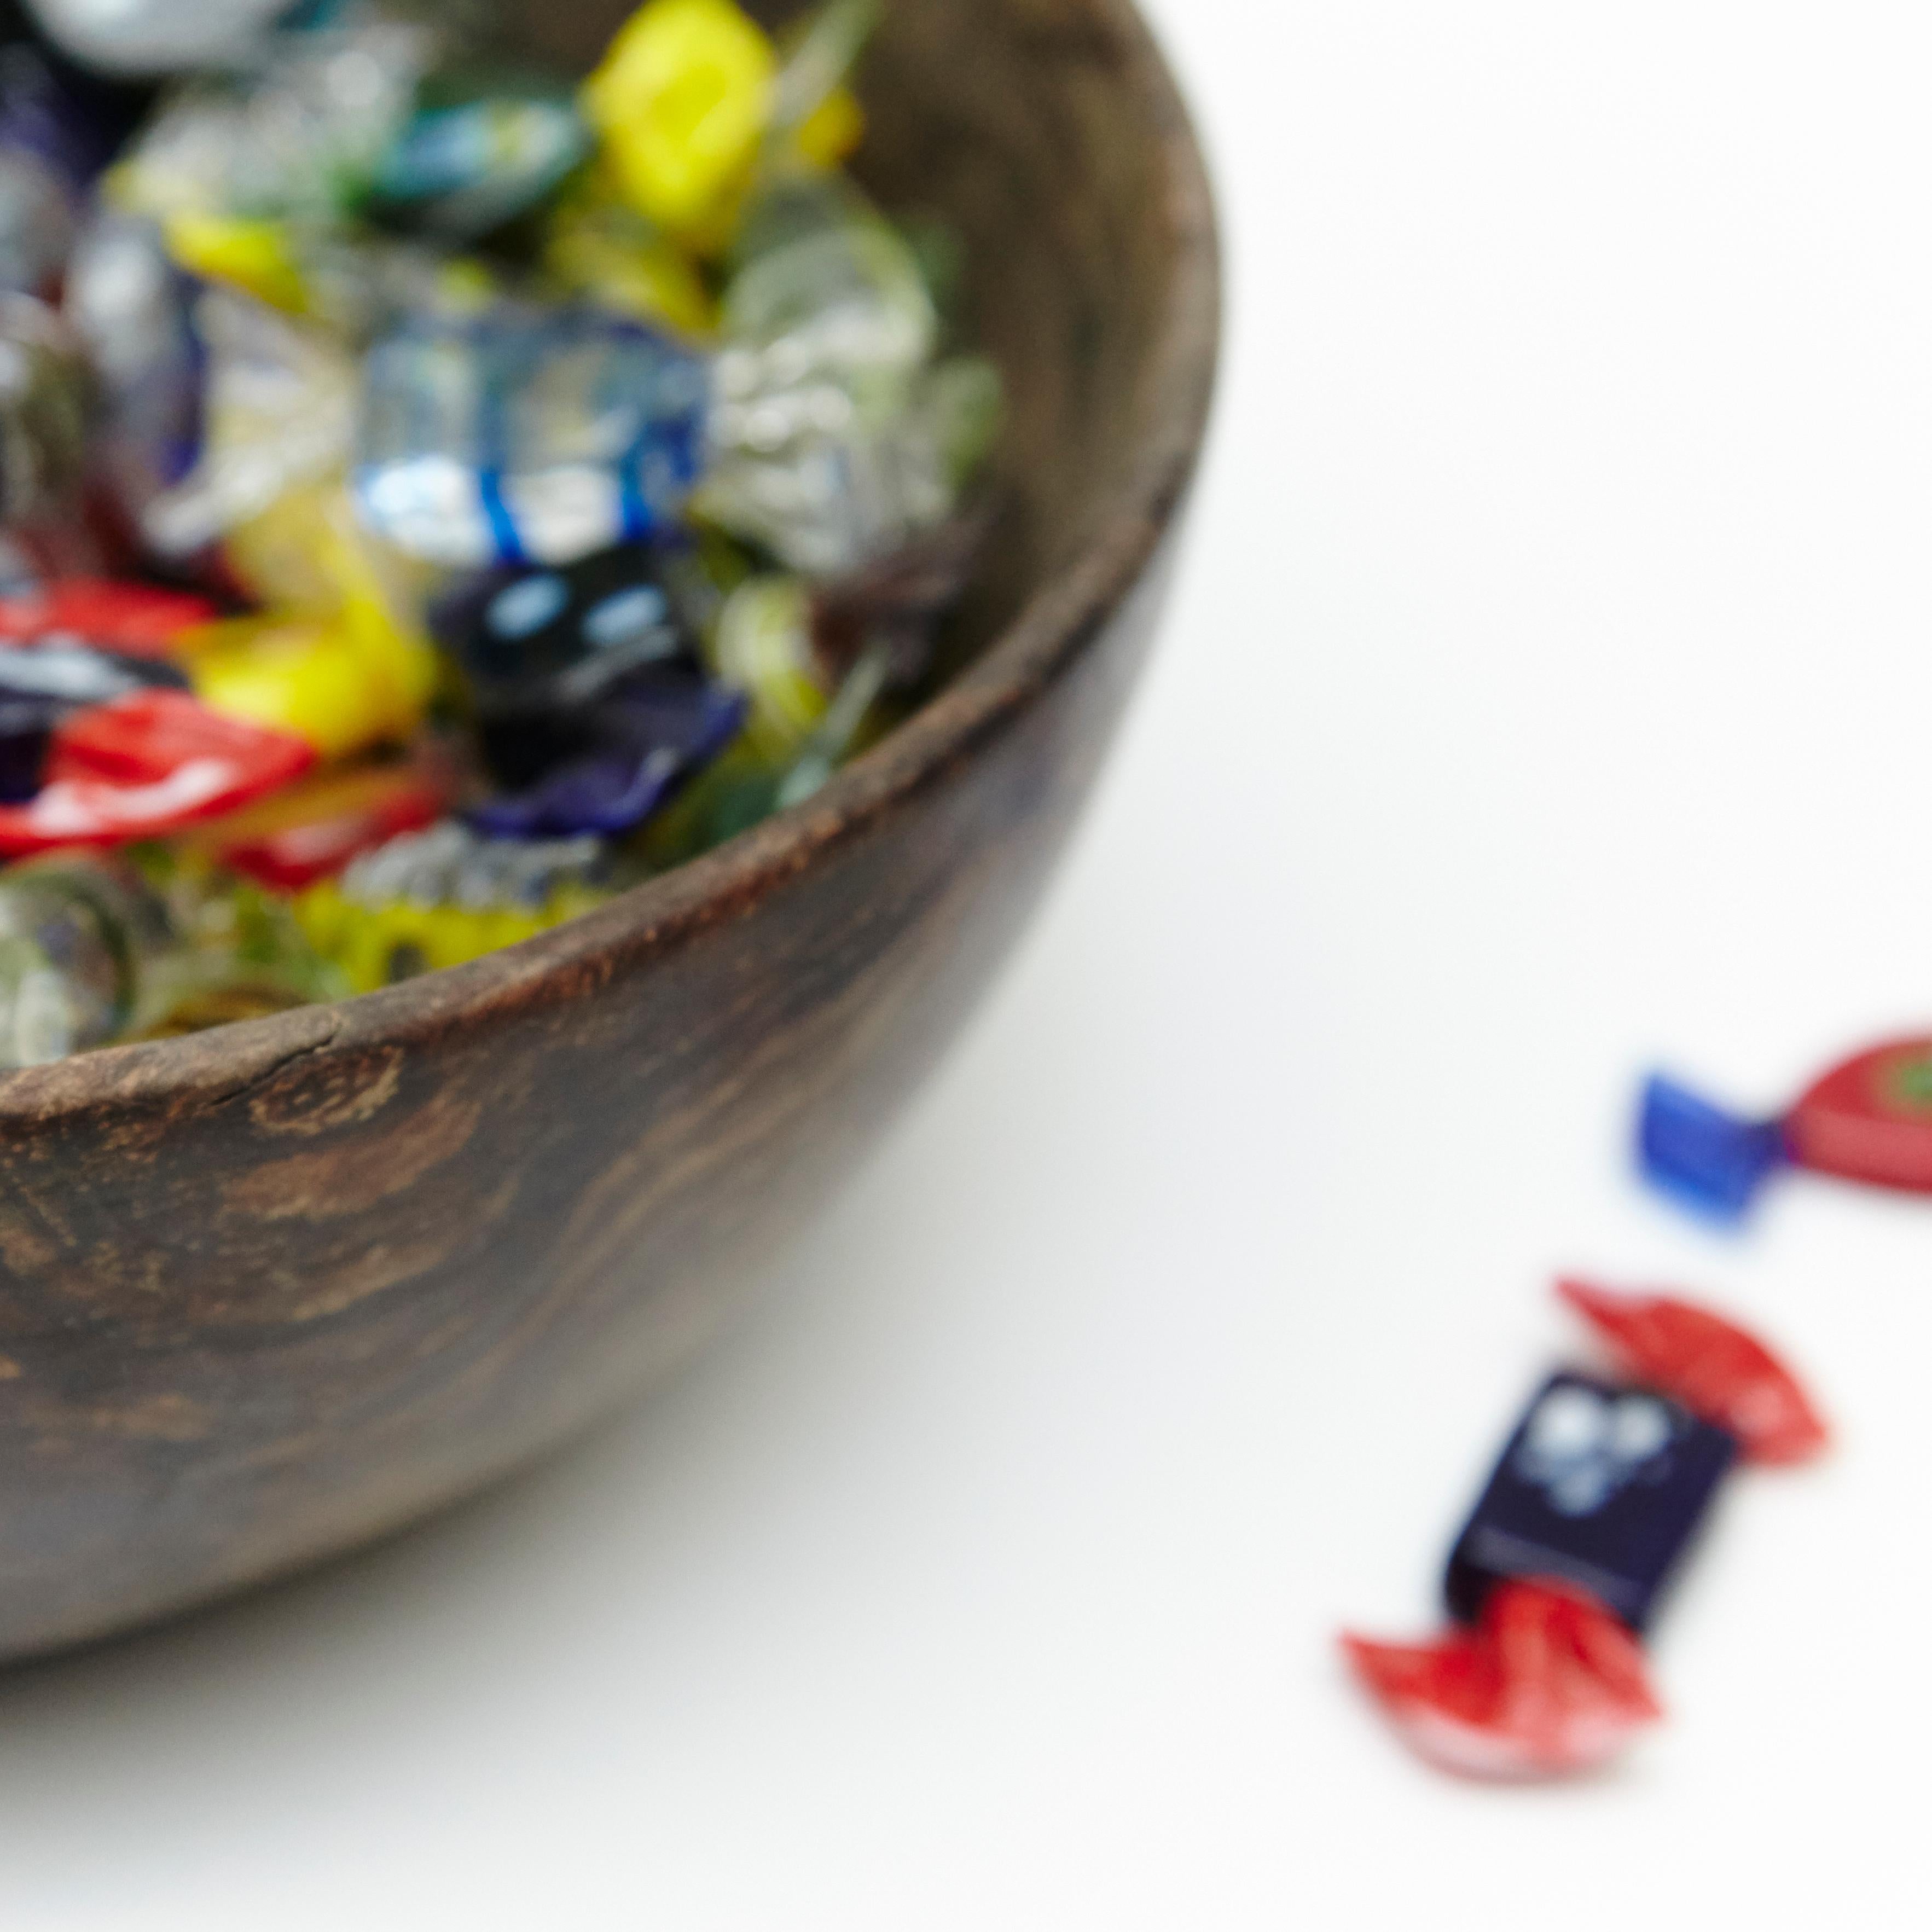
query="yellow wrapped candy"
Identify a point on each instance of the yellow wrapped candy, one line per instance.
(332, 660)
(682, 101)
(763, 647)
(832, 130)
(376, 946)
(341, 685)
(254, 256)
(600, 248)
(306, 551)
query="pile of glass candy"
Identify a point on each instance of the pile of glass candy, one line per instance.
(434, 495)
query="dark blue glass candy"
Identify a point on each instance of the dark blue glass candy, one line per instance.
(547, 640)
(26, 738)
(631, 755)
(1600, 1486)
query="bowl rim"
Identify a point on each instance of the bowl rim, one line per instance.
(1065, 614)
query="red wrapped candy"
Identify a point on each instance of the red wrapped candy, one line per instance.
(154, 763)
(1869, 1119)
(1598, 1494)
(134, 620)
(316, 829)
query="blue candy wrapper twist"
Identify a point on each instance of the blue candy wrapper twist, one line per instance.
(1705, 1159)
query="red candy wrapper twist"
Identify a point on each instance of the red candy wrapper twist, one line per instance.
(1546, 1683)
(1714, 1368)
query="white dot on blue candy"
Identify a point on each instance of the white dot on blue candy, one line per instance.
(624, 618)
(1569, 1422)
(1641, 1428)
(525, 608)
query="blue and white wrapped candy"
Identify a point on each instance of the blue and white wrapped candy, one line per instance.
(513, 438)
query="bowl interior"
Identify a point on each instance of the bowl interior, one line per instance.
(1048, 135)
(1035, 129)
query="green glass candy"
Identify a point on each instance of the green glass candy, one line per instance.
(98, 948)
(835, 435)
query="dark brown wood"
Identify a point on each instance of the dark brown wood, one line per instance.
(270, 1291)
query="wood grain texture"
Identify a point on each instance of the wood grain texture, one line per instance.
(270, 1292)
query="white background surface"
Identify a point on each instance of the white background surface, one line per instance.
(1547, 691)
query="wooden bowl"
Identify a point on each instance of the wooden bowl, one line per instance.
(273, 1291)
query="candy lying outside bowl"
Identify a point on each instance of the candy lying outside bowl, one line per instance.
(271, 1291)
